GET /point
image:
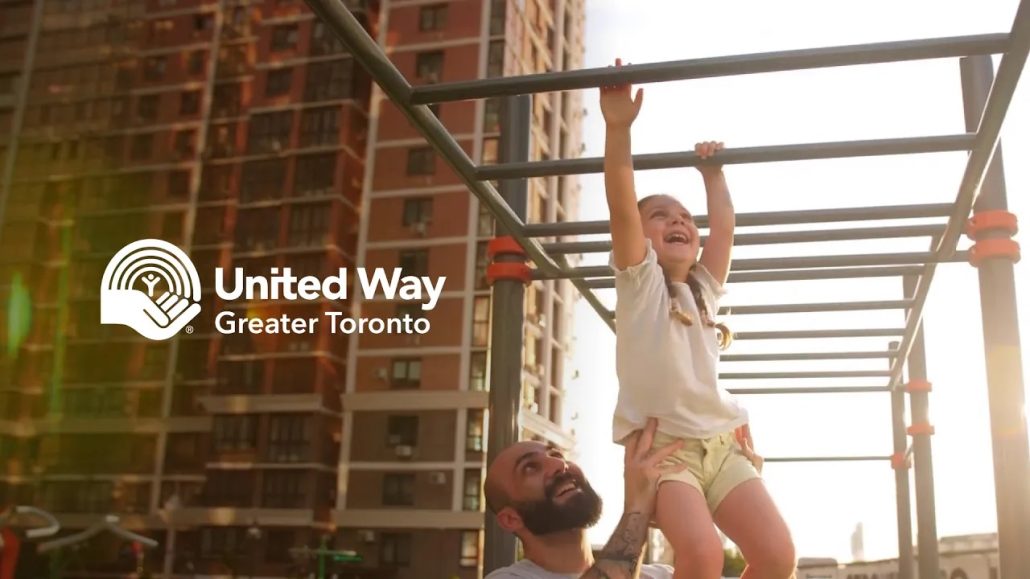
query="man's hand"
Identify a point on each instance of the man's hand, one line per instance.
(643, 468)
(620, 558)
(618, 109)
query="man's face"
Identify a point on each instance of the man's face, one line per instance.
(548, 493)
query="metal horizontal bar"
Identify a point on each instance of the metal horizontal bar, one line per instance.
(820, 390)
(741, 239)
(850, 55)
(814, 307)
(737, 156)
(819, 334)
(795, 275)
(778, 263)
(807, 356)
(801, 375)
(826, 458)
(766, 218)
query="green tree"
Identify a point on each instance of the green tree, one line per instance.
(733, 564)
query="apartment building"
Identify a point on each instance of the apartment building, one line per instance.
(242, 131)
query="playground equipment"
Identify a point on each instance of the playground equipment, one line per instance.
(981, 190)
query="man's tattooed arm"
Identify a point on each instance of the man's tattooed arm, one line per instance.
(620, 558)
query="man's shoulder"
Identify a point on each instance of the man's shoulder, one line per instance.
(524, 569)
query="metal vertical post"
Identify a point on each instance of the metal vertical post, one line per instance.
(901, 481)
(506, 327)
(919, 400)
(1001, 348)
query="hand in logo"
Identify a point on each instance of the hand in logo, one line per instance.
(157, 319)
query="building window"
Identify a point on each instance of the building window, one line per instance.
(146, 107)
(320, 127)
(395, 549)
(413, 311)
(469, 549)
(184, 143)
(283, 490)
(229, 488)
(497, 14)
(315, 175)
(417, 210)
(203, 22)
(189, 103)
(142, 146)
(482, 261)
(399, 490)
(414, 262)
(429, 66)
(478, 372)
(309, 225)
(263, 180)
(472, 490)
(491, 150)
(329, 80)
(421, 161)
(474, 429)
(485, 224)
(406, 373)
(287, 437)
(402, 431)
(323, 41)
(178, 185)
(234, 432)
(270, 132)
(222, 541)
(481, 321)
(492, 115)
(154, 68)
(284, 37)
(195, 65)
(227, 100)
(495, 59)
(432, 17)
(278, 82)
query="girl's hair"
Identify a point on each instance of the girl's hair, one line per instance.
(725, 336)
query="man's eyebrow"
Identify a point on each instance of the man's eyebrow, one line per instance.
(525, 456)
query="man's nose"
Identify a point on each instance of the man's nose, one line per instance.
(556, 465)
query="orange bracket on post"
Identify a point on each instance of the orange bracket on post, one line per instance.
(921, 428)
(992, 221)
(504, 246)
(993, 248)
(918, 386)
(899, 461)
(508, 270)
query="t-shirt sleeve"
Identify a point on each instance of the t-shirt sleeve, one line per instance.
(642, 280)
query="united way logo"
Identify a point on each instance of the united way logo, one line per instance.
(152, 287)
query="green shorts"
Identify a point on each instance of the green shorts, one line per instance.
(715, 466)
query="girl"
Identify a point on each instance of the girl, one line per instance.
(667, 347)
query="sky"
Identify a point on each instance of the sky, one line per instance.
(822, 502)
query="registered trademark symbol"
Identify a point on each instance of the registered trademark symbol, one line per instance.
(189, 329)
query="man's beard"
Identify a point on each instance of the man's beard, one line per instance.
(580, 511)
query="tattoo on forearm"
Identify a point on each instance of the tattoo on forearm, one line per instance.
(620, 558)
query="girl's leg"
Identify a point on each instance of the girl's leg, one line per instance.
(682, 515)
(750, 519)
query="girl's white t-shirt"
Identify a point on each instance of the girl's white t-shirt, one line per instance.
(667, 369)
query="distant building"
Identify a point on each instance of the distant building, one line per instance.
(961, 557)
